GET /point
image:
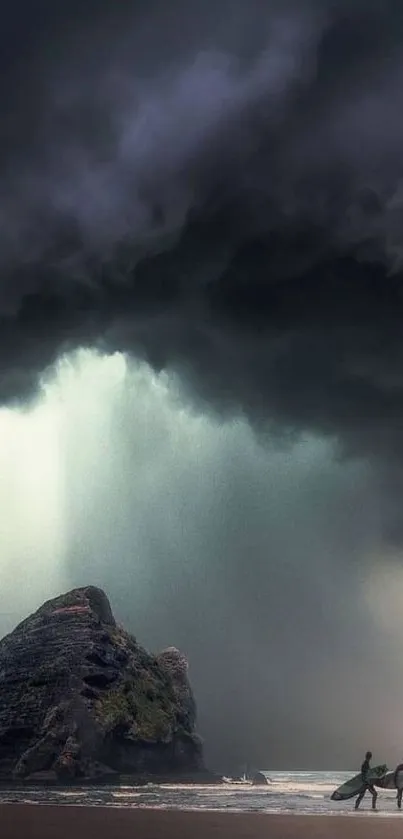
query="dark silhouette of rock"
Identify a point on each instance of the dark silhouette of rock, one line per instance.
(259, 780)
(80, 698)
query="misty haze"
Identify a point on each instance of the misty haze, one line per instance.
(261, 559)
(201, 380)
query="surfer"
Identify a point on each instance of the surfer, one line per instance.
(398, 769)
(365, 770)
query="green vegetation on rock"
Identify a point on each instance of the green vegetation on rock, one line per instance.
(142, 706)
(112, 709)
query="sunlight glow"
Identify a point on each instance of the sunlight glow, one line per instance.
(33, 466)
(31, 500)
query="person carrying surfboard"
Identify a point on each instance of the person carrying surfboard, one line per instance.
(365, 770)
(397, 782)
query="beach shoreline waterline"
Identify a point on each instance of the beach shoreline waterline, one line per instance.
(43, 821)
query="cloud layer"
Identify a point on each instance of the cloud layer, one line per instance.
(217, 193)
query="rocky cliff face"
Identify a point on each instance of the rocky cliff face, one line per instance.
(80, 698)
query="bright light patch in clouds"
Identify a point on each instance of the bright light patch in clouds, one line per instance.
(110, 465)
(31, 507)
(65, 444)
(33, 485)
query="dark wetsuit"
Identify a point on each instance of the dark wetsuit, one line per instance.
(399, 789)
(365, 768)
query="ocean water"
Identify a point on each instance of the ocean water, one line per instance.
(288, 792)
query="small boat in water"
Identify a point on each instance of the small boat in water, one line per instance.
(252, 779)
(240, 781)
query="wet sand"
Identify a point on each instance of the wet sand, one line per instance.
(30, 821)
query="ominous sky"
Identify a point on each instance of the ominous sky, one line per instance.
(214, 190)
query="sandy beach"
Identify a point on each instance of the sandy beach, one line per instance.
(48, 822)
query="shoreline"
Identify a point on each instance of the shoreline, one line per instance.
(46, 780)
(48, 821)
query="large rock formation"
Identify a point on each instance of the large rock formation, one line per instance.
(79, 698)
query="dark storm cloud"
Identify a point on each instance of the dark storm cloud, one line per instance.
(217, 190)
(216, 187)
